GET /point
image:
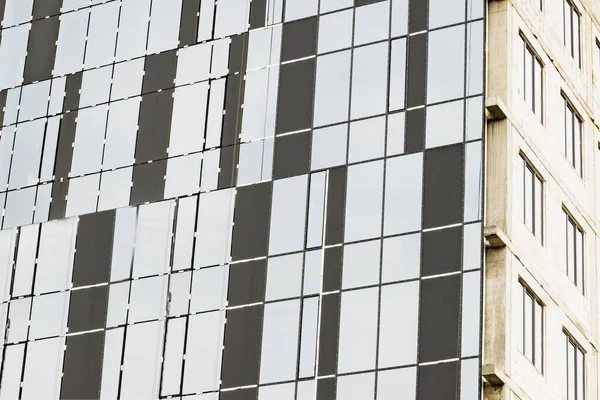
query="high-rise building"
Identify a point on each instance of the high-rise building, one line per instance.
(283, 199)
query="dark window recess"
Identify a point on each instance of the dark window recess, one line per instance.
(82, 370)
(258, 12)
(326, 388)
(336, 202)
(154, 126)
(414, 136)
(87, 309)
(159, 71)
(238, 53)
(148, 182)
(41, 49)
(418, 15)
(228, 162)
(251, 221)
(299, 39)
(45, 8)
(247, 283)
(58, 205)
(242, 346)
(438, 381)
(332, 269)
(442, 251)
(188, 27)
(295, 101)
(292, 155)
(234, 98)
(72, 87)
(443, 182)
(416, 80)
(439, 312)
(328, 340)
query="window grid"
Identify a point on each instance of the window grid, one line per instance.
(571, 35)
(574, 252)
(573, 131)
(533, 91)
(574, 370)
(532, 335)
(532, 212)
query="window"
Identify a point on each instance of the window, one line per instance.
(575, 370)
(597, 67)
(532, 80)
(532, 212)
(574, 252)
(532, 335)
(572, 148)
(571, 30)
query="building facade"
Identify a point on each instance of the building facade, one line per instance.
(235, 199)
(542, 212)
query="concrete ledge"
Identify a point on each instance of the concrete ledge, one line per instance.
(496, 108)
(493, 375)
(495, 237)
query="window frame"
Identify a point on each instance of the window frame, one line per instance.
(537, 339)
(572, 146)
(578, 379)
(578, 281)
(530, 85)
(536, 229)
(572, 10)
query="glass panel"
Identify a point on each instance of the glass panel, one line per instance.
(231, 17)
(279, 341)
(329, 147)
(183, 175)
(538, 336)
(471, 311)
(188, 120)
(538, 79)
(528, 197)
(538, 208)
(398, 333)
(49, 315)
(472, 241)
(571, 390)
(193, 64)
(369, 80)
(141, 361)
(367, 139)
(296, 9)
(153, 239)
(148, 299)
(401, 258)
(308, 337)
(55, 255)
(332, 5)
(361, 386)
(313, 267)
(335, 31)
(264, 47)
(34, 101)
(473, 181)
(277, 392)
(12, 56)
(254, 156)
(392, 382)
(101, 35)
(203, 352)
(121, 133)
(474, 115)
(579, 254)
(115, 187)
(316, 207)
(332, 87)
(306, 390)
(95, 86)
(215, 114)
(19, 207)
(570, 250)
(398, 74)
(49, 152)
(209, 289)
(127, 79)
(580, 375)
(83, 195)
(213, 235)
(25, 167)
(358, 323)
(184, 233)
(163, 33)
(446, 12)
(475, 48)
(220, 58)
(89, 140)
(205, 25)
(179, 293)
(288, 215)
(11, 377)
(363, 201)
(13, 96)
(528, 326)
(111, 364)
(16, 12)
(7, 255)
(284, 277)
(470, 381)
(445, 78)
(18, 320)
(132, 35)
(361, 264)
(568, 133)
(403, 194)
(444, 124)
(70, 46)
(118, 304)
(173, 358)
(372, 23)
(576, 146)
(124, 239)
(210, 170)
(258, 120)
(43, 367)
(26, 255)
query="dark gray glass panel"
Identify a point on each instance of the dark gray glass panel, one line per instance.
(159, 71)
(442, 251)
(438, 381)
(336, 201)
(148, 182)
(94, 248)
(44, 8)
(299, 39)
(58, 206)
(358, 3)
(188, 28)
(414, 132)
(332, 269)
(251, 221)
(64, 152)
(238, 53)
(3, 94)
(417, 68)
(154, 126)
(440, 306)
(326, 389)
(41, 49)
(247, 283)
(241, 355)
(418, 11)
(295, 102)
(328, 340)
(292, 155)
(83, 366)
(258, 11)
(243, 394)
(234, 97)
(88, 309)
(228, 166)
(443, 180)
(72, 88)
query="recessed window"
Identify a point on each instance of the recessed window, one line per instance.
(532, 333)
(574, 370)
(532, 80)
(572, 149)
(532, 212)
(571, 30)
(574, 252)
